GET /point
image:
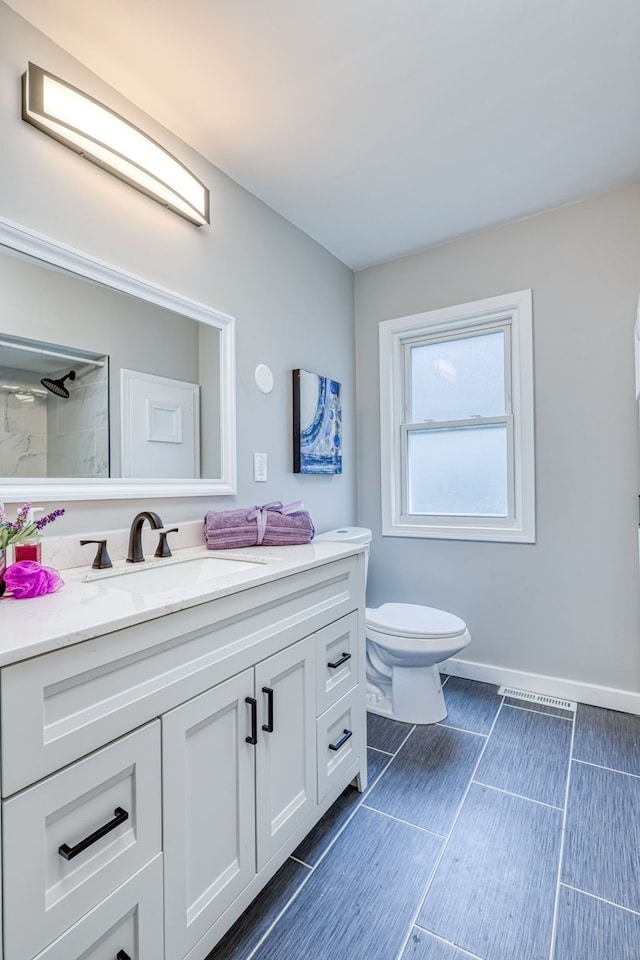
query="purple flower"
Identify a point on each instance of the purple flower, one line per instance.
(23, 528)
(23, 513)
(50, 517)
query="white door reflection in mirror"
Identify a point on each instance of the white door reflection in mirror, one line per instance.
(160, 430)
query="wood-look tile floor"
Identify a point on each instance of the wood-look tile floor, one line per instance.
(508, 832)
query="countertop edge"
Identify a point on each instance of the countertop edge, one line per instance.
(83, 611)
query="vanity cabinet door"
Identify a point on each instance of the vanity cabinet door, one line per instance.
(285, 752)
(208, 812)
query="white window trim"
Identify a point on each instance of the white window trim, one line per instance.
(514, 309)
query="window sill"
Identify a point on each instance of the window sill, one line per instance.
(506, 534)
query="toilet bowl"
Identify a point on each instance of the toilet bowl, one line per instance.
(405, 643)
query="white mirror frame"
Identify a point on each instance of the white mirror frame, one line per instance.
(17, 489)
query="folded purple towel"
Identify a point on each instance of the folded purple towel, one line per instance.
(272, 525)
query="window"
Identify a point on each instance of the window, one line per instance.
(456, 394)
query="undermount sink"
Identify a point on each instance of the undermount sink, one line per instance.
(171, 574)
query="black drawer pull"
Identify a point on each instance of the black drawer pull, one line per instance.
(254, 720)
(70, 852)
(268, 726)
(121, 955)
(341, 742)
(343, 659)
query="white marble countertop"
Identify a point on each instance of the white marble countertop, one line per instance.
(84, 609)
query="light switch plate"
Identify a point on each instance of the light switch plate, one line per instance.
(260, 467)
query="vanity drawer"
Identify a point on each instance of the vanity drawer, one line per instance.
(341, 741)
(125, 925)
(337, 660)
(71, 840)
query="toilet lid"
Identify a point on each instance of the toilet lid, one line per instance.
(414, 620)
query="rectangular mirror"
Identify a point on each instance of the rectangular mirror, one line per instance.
(151, 406)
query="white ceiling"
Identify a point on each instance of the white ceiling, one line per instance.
(380, 127)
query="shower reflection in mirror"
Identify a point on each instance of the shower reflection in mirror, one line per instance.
(54, 407)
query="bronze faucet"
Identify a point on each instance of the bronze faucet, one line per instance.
(135, 554)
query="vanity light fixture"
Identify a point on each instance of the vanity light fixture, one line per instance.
(108, 140)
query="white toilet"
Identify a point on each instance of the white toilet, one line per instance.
(405, 643)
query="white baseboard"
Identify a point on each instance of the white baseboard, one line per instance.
(623, 700)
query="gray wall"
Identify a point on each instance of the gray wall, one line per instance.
(569, 605)
(292, 300)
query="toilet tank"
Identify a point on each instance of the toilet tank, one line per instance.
(360, 535)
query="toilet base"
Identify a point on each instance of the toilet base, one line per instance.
(418, 696)
(377, 702)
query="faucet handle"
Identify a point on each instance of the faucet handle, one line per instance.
(162, 550)
(102, 560)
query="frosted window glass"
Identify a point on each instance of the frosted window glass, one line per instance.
(458, 379)
(461, 471)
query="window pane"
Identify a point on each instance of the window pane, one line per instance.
(461, 471)
(458, 379)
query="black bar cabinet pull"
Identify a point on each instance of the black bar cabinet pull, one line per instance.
(254, 720)
(268, 726)
(337, 663)
(69, 853)
(122, 955)
(341, 742)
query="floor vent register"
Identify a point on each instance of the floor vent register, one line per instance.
(537, 698)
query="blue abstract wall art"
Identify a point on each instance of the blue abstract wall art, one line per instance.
(317, 424)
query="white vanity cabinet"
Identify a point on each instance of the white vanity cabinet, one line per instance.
(156, 777)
